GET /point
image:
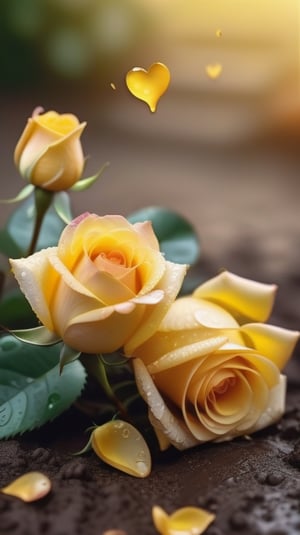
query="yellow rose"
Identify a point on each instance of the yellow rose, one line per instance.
(212, 370)
(104, 285)
(49, 153)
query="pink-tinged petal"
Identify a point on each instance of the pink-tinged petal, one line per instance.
(160, 416)
(69, 280)
(274, 342)
(145, 229)
(242, 297)
(170, 283)
(38, 280)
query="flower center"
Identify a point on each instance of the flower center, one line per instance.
(224, 386)
(115, 257)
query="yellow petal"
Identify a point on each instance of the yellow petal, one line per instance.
(170, 283)
(242, 297)
(273, 342)
(149, 85)
(160, 415)
(190, 312)
(187, 353)
(185, 521)
(37, 280)
(29, 487)
(214, 70)
(122, 446)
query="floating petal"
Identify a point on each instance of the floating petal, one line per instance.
(29, 487)
(122, 446)
(149, 85)
(213, 71)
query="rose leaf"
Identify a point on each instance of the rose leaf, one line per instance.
(32, 390)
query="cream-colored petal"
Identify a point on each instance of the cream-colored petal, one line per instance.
(274, 342)
(160, 416)
(38, 280)
(186, 353)
(275, 408)
(170, 283)
(242, 297)
(101, 331)
(189, 312)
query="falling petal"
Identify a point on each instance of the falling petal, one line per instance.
(149, 85)
(213, 71)
(112, 85)
(122, 446)
(185, 521)
(29, 487)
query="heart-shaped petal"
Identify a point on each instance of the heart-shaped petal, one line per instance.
(149, 85)
(213, 71)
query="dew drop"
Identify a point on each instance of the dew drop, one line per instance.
(53, 399)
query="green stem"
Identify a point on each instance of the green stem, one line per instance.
(96, 367)
(43, 199)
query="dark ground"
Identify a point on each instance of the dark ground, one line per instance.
(243, 197)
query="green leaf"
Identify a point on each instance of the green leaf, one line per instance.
(39, 336)
(86, 183)
(8, 246)
(32, 391)
(21, 224)
(23, 194)
(15, 310)
(177, 237)
(62, 206)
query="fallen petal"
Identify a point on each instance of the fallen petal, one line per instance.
(185, 521)
(122, 446)
(29, 487)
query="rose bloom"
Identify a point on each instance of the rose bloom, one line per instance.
(212, 370)
(49, 152)
(104, 285)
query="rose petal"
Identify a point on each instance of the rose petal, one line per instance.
(170, 283)
(275, 343)
(186, 353)
(160, 416)
(37, 280)
(250, 299)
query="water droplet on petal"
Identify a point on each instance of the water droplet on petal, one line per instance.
(149, 85)
(213, 71)
(219, 33)
(122, 446)
(29, 487)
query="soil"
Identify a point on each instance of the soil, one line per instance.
(251, 484)
(250, 226)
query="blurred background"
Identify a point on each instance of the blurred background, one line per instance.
(223, 152)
